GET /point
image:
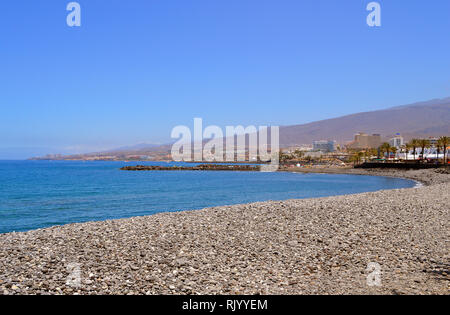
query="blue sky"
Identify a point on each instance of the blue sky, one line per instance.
(135, 69)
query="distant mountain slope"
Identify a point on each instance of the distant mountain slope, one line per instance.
(419, 120)
(139, 149)
(423, 119)
(136, 147)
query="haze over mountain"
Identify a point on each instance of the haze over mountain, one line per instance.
(137, 147)
(418, 120)
(424, 119)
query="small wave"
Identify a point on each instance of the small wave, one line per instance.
(418, 184)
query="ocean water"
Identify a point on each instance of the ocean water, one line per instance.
(38, 194)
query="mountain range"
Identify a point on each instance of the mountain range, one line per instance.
(418, 120)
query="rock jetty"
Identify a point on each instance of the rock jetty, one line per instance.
(201, 167)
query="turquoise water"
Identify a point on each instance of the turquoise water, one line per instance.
(37, 194)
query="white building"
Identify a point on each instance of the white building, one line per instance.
(324, 146)
(397, 141)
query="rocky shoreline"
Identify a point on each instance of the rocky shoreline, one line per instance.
(425, 176)
(311, 246)
(201, 167)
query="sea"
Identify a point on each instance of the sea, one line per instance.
(40, 194)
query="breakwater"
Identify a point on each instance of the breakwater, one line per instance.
(201, 167)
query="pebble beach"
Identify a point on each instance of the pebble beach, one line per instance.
(309, 246)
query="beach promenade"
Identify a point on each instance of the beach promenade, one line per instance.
(311, 246)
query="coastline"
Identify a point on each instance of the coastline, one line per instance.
(420, 176)
(309, 246)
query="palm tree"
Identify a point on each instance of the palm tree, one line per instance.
(352, 159)
(414, 145)
(403, 149)
(359, 156)
(406, 148)
(393, 150)
(424, 143)
(367, 155)
(299, 154)
(374, 152)
(385, 147)
(356, 157)
(438, 149)
(445, 141)
(282, 156)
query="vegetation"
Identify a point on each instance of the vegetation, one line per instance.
(444, 142)
(393, 150)
(356, 156)
(414, 145)
(441, 146)
(424, 144)
(385, 148)
(407, 147)
(299, 154)
(284, 157)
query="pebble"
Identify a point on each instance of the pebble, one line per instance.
(310, 246)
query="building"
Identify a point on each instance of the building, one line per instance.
(301, 147)
(365, 141)
(324, 146)
(397, 141)
(433, 141)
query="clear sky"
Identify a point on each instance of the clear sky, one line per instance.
(136, 69)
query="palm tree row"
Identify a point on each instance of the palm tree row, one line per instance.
(386, 148)
(443, 143)
(297, 154)
(414, 144)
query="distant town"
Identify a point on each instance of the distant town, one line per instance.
(368, 148)
(364, 147)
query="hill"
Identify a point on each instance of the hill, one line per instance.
(424, 119)
(418, 120)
